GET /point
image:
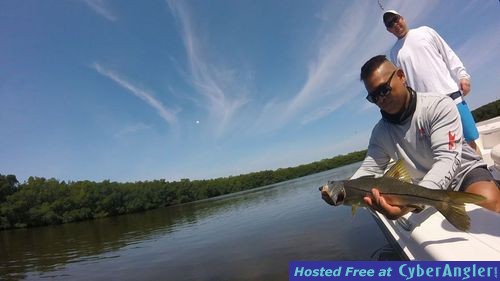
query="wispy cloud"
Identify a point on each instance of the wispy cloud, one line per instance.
(481, 48)
(132, 129)
(224, 94)
(332, 78)
(325, 70)
(333, 73)
(480, 53)
(100, 7)
(167, 114)
(325, 110)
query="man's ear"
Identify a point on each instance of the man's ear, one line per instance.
(401, 75)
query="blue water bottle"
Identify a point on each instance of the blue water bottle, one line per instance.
(468, 123)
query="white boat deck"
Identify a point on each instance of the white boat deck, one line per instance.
(489, 136)
(429, 236)
(432, 237)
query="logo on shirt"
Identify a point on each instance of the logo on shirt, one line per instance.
(451, 141)
(421, 132)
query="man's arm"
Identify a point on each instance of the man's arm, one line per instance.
(375, 163)
(464, 85)
(376, 159)
(452, 61)
(446, 143)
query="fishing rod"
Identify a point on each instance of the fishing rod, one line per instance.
(380, 5)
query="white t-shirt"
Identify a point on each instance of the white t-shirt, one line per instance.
(429, 63)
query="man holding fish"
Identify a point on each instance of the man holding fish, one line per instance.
(424, 133)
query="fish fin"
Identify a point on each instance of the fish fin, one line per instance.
(461, 197)
(398, 171)
(367, 176)
(418, 208)
(354, 208)
(456, 215)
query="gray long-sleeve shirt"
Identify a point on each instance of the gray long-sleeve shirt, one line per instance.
(430, 143)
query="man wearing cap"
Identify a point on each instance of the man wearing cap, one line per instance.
(431, 65)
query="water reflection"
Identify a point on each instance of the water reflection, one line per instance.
(245, 236)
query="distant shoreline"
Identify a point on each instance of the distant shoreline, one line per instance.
(40, 201)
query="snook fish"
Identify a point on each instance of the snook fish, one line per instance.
(396, 188)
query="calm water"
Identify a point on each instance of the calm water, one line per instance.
(247, 236)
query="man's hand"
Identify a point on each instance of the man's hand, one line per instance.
(378, 203)
(465, 86)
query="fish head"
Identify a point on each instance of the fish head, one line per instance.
(333, 193)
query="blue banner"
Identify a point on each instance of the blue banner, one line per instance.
(394, 270)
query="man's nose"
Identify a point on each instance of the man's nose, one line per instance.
(381, 99)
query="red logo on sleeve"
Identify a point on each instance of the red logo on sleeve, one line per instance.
(421, 131)
(451, 141)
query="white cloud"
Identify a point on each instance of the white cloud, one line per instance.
(333, 71)
(333, 74)
(100, 7)
(324, 111)
(225, 95)
(167, 114)
(132, 129)
(330, 63)
(481, 48)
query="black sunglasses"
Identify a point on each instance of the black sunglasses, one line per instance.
(392, 22)
(381, 91)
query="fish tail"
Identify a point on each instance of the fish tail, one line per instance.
(458, 197)
(455, 214)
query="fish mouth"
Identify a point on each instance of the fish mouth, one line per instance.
(325, 195)
(332, 199)
(339, 198)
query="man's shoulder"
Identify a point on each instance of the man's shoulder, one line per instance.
(432, 99)
(380, 132)
(431, 95)
(422, 31)
(424, 28)
(379, 125)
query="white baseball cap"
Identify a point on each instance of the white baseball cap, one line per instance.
(388, 15)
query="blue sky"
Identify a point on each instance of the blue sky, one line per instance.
(142, 90)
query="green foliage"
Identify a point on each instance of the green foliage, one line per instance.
(40, 201)
(487, 111)
(8, 185)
